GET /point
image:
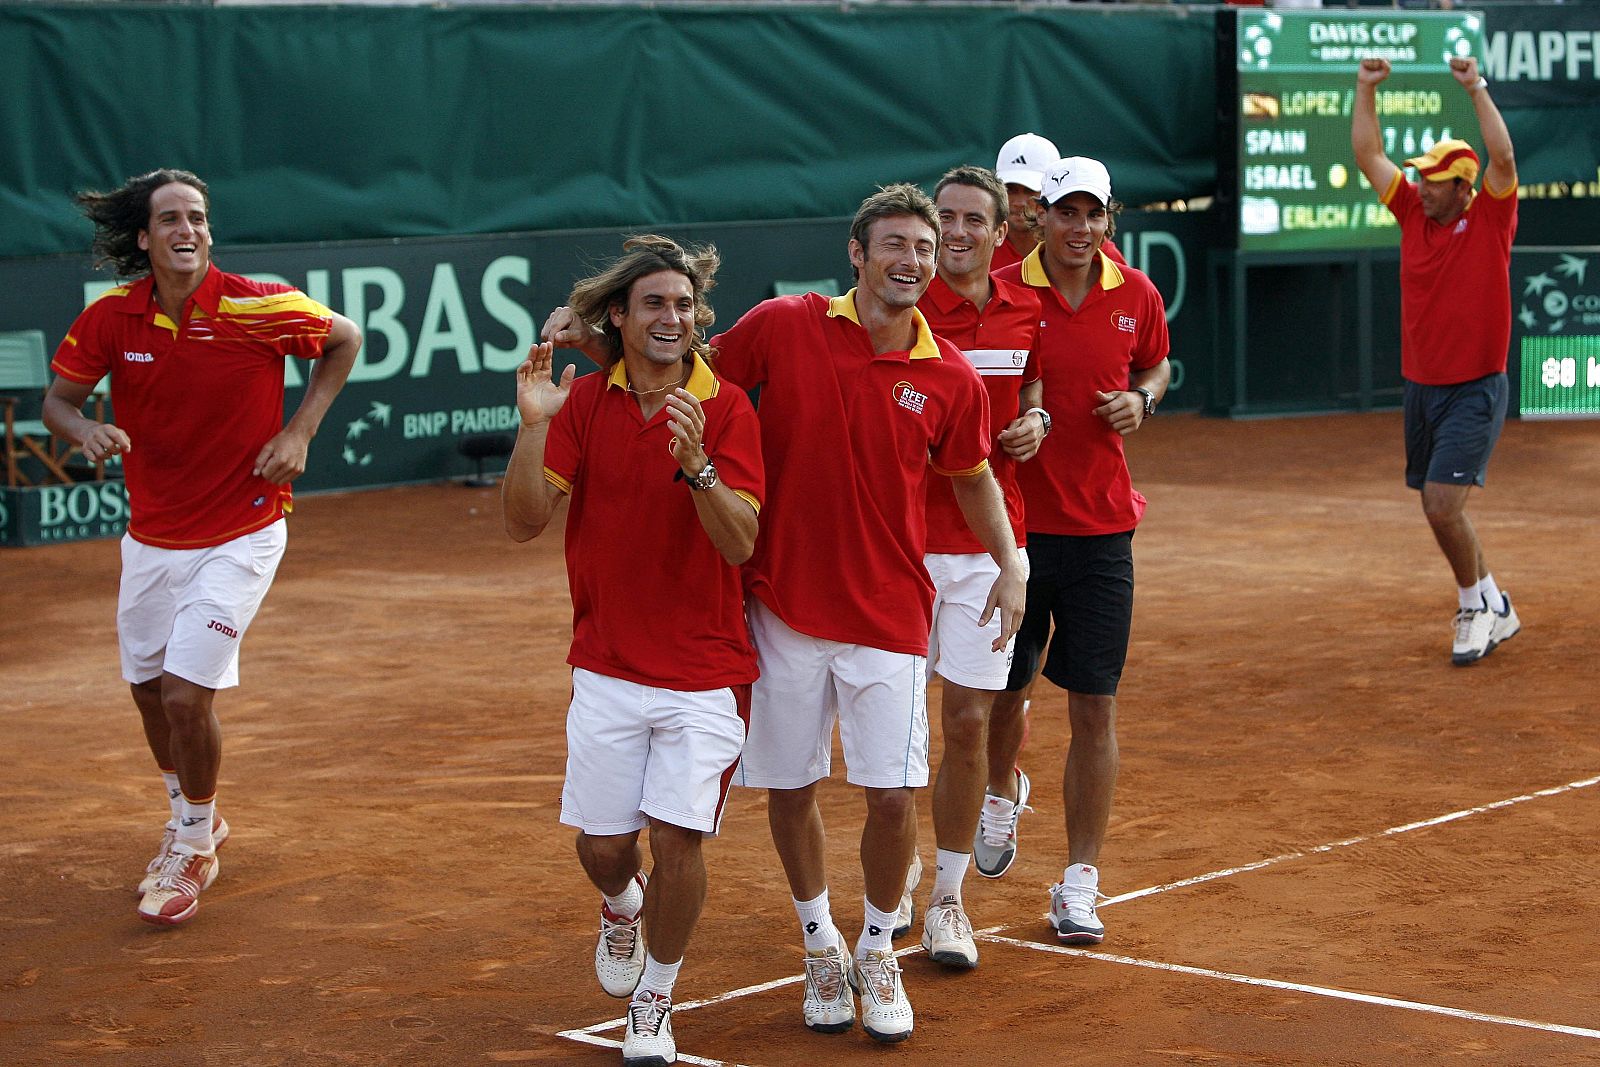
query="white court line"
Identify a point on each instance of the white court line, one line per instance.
(1349, 841)
(588, 1034)
(1297, 987)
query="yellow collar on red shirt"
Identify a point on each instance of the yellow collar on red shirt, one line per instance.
(1033, 271)
(702, 382)
(925, 348)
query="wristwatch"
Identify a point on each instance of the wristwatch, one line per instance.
(1149, 400)
(1044, 419)
(706, 479)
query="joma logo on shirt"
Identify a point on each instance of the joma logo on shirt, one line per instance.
(907, 397)
(138, 357)
(1124, 322)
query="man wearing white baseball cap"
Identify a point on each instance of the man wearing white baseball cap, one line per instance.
(1021, 165)
(1102, 355)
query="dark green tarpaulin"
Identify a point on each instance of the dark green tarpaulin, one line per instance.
(327, 123)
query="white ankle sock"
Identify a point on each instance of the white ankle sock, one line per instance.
(194, 823)
(816, 923)
(658, 977)
(1491, 594)
(629, 902)
(877, 933)
(1469, 598)
(174, 797)
(950, 869)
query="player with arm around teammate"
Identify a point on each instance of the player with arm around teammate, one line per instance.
(195, 356)
(1455, 330)
(1103, 357)
(662, 460)
(995, 324)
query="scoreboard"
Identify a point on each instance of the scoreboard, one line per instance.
(1295, 183)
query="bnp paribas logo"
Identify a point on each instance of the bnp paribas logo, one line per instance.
(1553, 300)
(358, 448)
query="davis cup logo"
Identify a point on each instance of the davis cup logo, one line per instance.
(907, 397)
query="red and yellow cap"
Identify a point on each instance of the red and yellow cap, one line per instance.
(1447, 160)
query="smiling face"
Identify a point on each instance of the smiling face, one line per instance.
(178, 236)
(658, 321)
(1444, 201)
(1074, 229)
(897, 263)
(968, 230)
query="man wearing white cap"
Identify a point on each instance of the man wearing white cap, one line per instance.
(1021, 165)
(1455, 331)
(1102, 355)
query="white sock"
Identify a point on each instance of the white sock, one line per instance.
(877, 933)
(950, 869)
(816, 923)
(1469, 598)
(194, 823)
(629, 902)
(1491, 594)
(658, 977)
(174, 797)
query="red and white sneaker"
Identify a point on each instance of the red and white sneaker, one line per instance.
(175, 897)
(619, 952)
(219, 834)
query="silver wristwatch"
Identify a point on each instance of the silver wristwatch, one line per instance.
(706, 479)
(1149, 400)
(1044, 419)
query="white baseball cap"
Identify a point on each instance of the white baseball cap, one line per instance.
(1023, 159)
(1076, 174)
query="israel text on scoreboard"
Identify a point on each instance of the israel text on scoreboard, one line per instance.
(1299, 188)
(1555, 331)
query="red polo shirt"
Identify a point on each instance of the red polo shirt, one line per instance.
(999, 342)
(653, 601)
(197, 400)
(848, 436)
(1079, 484)
(1455, 287)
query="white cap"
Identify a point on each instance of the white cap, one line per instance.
(1076, 174)
(1023, 159)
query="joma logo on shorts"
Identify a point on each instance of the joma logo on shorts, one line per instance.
(138, 357)
(226, 631)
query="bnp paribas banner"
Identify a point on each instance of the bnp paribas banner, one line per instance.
(447, 320)
(1555, 331)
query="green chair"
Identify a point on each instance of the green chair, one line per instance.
(24, 377)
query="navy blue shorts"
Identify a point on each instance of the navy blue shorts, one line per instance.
(1451, 430)
(1085, 586)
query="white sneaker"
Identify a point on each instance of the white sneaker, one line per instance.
(175, 897)
(947, 935)
(1072, 906)
(169, 837)
(619, 954)
(1473, 629)
(829, 1006)
(994, 847)
(1506, 624)
(908, 909)
(648, 1041)
(885, 1011)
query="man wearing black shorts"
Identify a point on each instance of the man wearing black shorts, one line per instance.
(1102, 354)
(1455, 330)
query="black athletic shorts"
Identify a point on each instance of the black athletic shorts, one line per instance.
(1085, 586)
(1451, 430)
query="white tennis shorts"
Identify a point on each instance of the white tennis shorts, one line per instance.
(184, 611)
(958, 648)
(879, 699)
(635, 751)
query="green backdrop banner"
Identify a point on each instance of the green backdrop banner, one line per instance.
(354, 122)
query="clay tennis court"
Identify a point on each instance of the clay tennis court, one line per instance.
(1329, 845)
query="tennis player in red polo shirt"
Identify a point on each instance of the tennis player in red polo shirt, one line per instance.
(1455, 331)
(1103, 357)
(195, 357)
(662, 460)
(995, 324)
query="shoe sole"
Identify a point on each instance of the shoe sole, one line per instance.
(830, 1028)
(953, 959)
(1079, 937)
(885, 1037)
(997, 872)
(648, 1061)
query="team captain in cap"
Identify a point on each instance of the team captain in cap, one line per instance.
(1455, 323)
